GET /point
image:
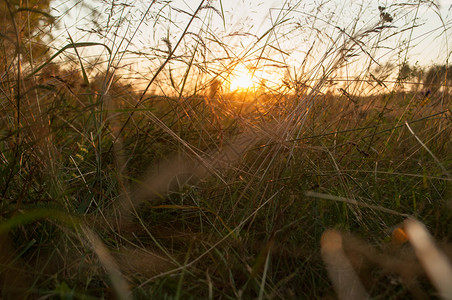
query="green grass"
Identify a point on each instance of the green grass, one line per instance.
(108, 191)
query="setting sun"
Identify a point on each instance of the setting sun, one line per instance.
(242, 79)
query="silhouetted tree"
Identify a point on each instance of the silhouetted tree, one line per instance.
(438, 76)
(413, 74)
(214, 88)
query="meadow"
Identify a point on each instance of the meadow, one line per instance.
(186, 182)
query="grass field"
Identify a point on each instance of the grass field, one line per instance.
(169, 185)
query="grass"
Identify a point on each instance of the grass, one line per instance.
(180, 189)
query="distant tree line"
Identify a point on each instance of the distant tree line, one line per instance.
(433, 78)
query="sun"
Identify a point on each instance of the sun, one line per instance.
(242, 79)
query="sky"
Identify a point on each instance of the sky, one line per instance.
(274, 38)
(432, 42)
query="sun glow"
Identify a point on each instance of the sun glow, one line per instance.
(242, 79)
